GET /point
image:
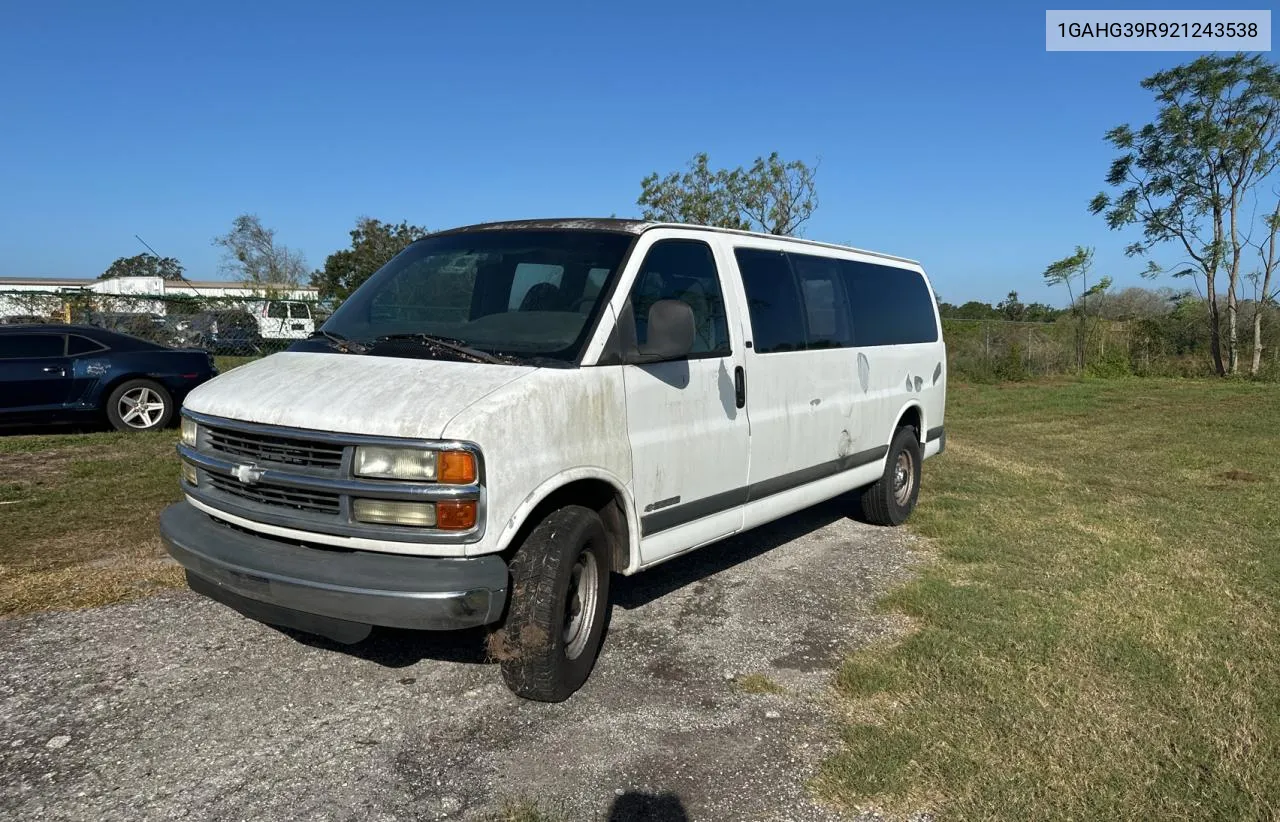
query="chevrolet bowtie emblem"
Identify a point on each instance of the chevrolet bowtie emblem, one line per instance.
(248, 474)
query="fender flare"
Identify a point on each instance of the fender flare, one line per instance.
(924, 422)
(554, 483)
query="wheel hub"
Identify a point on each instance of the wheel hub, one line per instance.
(903, 478)
(580, 604)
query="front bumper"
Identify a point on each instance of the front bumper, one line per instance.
(334, 593)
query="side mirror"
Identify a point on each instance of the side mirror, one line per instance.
(670, 331)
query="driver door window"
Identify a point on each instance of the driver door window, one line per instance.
(682, 270)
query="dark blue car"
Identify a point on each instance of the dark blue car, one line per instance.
(73, 373)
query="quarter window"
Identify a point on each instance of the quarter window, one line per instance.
(77, 345)
(683, 270)
(891, 306)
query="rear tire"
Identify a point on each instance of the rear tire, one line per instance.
(559, 606)
(892, 498)
(139, 405)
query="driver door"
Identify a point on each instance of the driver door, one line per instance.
(689, 439)
(35, 374)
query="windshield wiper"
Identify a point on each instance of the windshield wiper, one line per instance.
(447, 343)
(340, 342)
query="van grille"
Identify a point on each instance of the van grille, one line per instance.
(320, 502)
(271, 448)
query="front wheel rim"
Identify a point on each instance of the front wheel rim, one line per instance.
(904, 478)
(140, 407)
(580, 604)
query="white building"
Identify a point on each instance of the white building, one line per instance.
(45, 296)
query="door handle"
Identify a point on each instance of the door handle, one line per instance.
(740, 387)
(54, 369)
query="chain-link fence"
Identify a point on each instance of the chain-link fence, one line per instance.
(226, 326)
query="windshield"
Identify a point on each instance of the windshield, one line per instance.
(524, 293)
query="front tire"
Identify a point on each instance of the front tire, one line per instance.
(139, 405)
(559, 606)
(892, 498)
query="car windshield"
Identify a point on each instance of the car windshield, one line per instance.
(530, 294)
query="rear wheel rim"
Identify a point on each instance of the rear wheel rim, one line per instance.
(140, 407)
(580, 604)
(904, 477)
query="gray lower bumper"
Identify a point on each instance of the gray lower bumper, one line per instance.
(332, 592)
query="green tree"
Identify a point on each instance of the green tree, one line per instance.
(373, 244)
(1193, 176)
(1041, 313)
(1012, 308)
(144, 265)
(1066, 271)
(252, 255)
(771, 196)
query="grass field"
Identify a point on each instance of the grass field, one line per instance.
(1098, 637)
(78, 518)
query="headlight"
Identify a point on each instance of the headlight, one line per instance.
(189, 429)
(395, 463)
(383, 462)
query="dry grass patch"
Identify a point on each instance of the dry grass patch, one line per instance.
(758, 684)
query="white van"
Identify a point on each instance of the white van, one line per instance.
(504, 414)
(283, 319)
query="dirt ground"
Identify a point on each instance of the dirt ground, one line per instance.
(176, 707)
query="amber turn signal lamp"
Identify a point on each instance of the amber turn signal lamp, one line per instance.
(456, 467)
(456, 515)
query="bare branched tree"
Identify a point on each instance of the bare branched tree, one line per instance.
(252, 255)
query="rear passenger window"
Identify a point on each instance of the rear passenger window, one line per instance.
(773, 302)
(278, 311)
(683, 270)
(891, 306)
(826, 308)
(19, 346)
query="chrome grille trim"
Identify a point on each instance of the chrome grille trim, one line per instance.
(281, 450)
(268, 494)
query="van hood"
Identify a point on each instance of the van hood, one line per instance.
(351, 393)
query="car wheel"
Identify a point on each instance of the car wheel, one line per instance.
(139, 405)
(892, 498)
(559, 606)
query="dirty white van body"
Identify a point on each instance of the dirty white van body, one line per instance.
(283, 319)
(506, 413)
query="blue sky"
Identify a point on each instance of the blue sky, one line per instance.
(944, 132)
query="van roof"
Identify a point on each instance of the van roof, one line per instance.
(637, 227)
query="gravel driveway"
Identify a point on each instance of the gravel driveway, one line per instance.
(174, 707)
